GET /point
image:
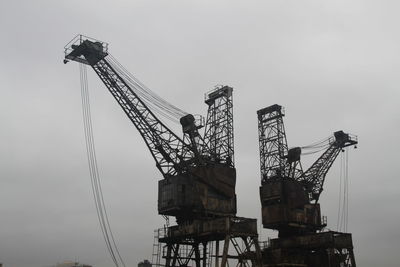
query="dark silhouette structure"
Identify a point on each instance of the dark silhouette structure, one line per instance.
(199, 179)
(289, 198)
(199, 175)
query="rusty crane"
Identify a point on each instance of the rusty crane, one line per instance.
(199, 176)
(289, 198)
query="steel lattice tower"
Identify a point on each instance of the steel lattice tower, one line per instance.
(272, 141)
(218, 137)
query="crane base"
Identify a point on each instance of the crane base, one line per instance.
(197, 243)
(323, 249)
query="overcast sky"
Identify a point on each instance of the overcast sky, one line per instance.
(332, 64)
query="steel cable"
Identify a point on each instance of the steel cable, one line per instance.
(347, 189)
(316, 144)
(343, 208)
(340, 194)
(317, 150)
(157, 104)
(94, 173)
(92, 160)
(154, 106)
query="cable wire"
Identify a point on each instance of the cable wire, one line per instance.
(155, 102)
(343, 207)
(347, 190)
(340, 193)
(318, 143)
(94, 173)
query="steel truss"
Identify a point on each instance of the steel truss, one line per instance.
(314, 177)
(171, 153)
(218, 137)
(198, 243)
(272, 141)
(324, 249)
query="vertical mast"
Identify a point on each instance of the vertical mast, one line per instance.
(218, 137)
(272, 142)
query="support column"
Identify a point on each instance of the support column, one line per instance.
(168, 258)
(205, 254)
(217, 253)
(248, 249)
(175, 255)
(197, 254)
(258, 252)
(225, 251)
(352, 260)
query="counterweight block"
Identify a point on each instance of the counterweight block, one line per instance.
(286, 207)
(204, 192)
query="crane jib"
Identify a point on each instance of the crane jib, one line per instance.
(198, 171)
(168, 150)
(289, 196)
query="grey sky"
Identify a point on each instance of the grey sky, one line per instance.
(332, 64)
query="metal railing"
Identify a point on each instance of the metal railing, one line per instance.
(79, 39)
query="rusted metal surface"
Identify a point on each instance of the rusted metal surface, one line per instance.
(285, 205)
(213, 229)
(204, 192)
(219, 177)
(316, 240)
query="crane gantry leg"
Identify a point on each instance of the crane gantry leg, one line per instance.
(192, 243)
